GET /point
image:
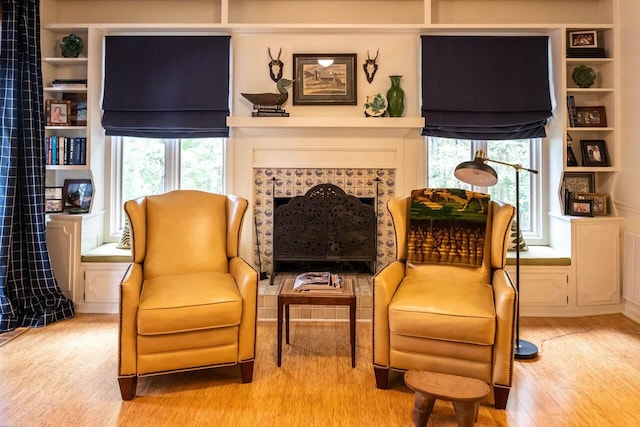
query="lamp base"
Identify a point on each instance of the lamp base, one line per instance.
(525, 350)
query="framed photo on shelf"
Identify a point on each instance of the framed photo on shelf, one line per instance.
(583, 39)
(574, 182)
(599, 201)
(325, 79)
(77, 195)
(58, 112)
(594, 152)
(580, 207)
(53, 199)
(591, 117)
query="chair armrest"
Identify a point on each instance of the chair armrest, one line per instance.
(130, 289)
(385, 284)
(246, 278)
(506, 300)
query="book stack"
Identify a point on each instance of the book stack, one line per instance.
(62, 150)
(317, 281)
(268, 111)
(69, 83)
(590, 52)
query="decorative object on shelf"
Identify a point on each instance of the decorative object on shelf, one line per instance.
(275, 66)
(375, 105)
(325, 79)
(584, 44)
(395, 97)
(77, 195)
(71, 46)
(571, 157)
(599, 201)
(270, 99)
(583, 76)
(571, 111)
(370, 66)
(591, 117)
(594, 152)
(478, 172)
(58, 112)
(52, 199)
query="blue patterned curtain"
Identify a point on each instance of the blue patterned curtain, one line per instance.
(29, 293)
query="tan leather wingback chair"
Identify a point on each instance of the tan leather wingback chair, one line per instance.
(456, 320)
(188, 301)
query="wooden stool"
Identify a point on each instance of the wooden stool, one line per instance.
(465, 394)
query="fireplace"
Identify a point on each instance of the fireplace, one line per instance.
(273, 187)
(324, 229)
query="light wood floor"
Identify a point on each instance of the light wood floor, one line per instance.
(587, 374)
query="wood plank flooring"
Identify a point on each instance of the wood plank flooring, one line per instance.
(587, 374)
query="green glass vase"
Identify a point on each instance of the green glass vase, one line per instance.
(395, 98)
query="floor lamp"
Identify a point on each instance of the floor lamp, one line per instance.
(478, 172)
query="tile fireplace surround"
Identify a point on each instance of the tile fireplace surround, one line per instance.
(289, 182)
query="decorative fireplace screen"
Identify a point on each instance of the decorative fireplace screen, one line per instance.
(325, 228)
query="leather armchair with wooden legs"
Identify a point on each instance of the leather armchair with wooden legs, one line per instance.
(456, 320)
(188, 301)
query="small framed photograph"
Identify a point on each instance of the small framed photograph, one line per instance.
(52, 193)
(583, 39)
(77, 195)
(594, 152)
(591, 117)
(580, 207)
(58, 112)
(325, 79)
(53, 205)
(599, 201)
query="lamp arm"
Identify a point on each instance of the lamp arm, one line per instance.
(516, 166)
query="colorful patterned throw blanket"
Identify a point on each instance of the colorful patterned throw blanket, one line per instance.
(447, 226)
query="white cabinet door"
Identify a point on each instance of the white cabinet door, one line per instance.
(598, 271)
(62, 247)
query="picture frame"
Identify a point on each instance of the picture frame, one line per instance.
(594, 152)
(591, 117)
(325, 79)
(571, 157)
(77, 195)
(58, 112)
(53, 206)
(53, 193)
(580, 207)
(599, 201)
(579, 182)
(583, 39)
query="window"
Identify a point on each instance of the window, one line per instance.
(445, 154)
(145, 166)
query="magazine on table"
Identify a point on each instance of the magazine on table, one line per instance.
(317, 280)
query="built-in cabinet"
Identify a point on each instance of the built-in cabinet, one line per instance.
(361, 25)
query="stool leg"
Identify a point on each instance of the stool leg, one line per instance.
(422, 407)
(465, 413)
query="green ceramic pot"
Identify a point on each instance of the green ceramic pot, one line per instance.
(71, 46)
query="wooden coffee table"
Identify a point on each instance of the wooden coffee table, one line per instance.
(344, 296)
(465, 394)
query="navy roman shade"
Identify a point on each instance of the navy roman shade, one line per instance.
(166, 86)
(485, 87)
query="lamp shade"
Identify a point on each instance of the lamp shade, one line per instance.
(476, 172)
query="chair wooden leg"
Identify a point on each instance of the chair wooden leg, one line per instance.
(501, 395)
(246, 370)
(382, 377)
(128, 387)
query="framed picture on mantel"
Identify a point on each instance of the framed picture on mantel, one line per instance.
(324, 79)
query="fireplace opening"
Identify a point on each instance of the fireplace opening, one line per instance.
(325, 229)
